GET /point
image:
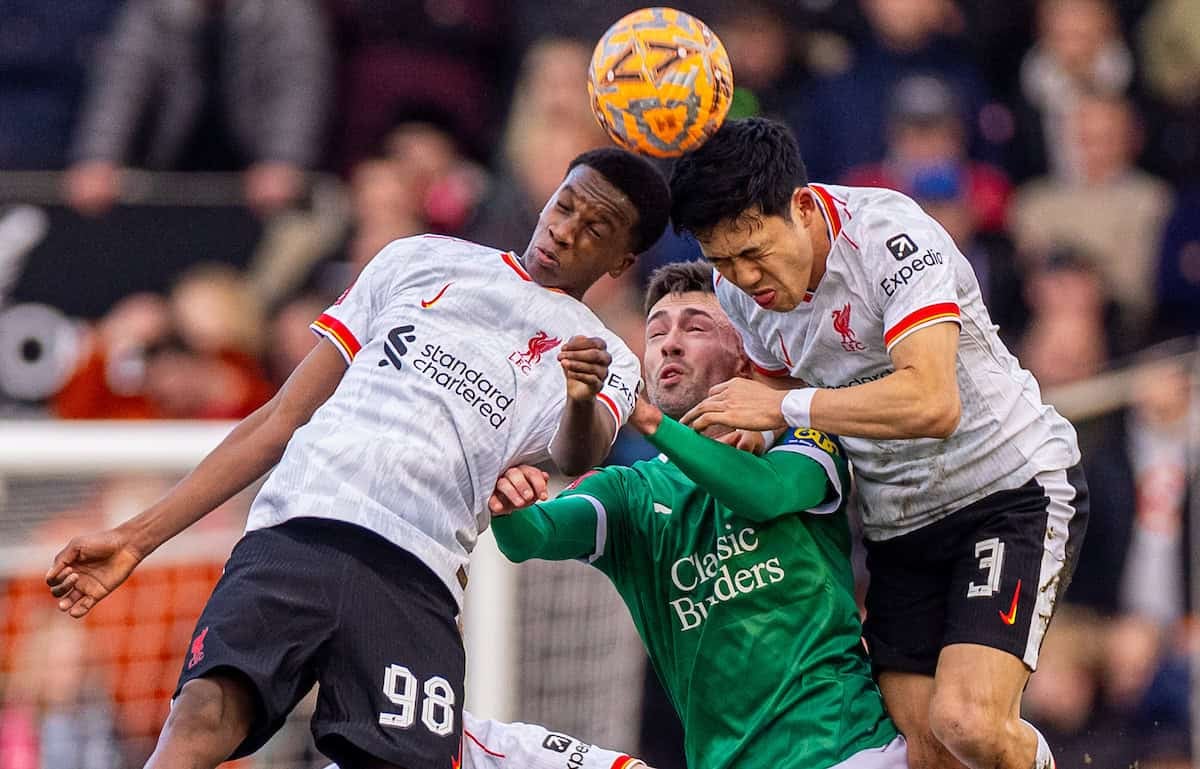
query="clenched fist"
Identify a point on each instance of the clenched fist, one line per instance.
(585, 361)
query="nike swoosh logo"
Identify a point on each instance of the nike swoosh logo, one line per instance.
(1011, 617)
(426, 304)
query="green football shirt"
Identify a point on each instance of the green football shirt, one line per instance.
(739, 582)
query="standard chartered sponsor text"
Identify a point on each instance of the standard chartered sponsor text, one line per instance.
(453, 374)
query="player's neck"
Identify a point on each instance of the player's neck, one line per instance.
(820, 251)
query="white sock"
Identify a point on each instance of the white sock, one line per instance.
(1042, 759)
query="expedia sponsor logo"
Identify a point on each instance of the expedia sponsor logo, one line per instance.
(855, 381)
(556, 742)
(618, 385)
(575, 751)
(911, 269)
(729, 580)
(901, 246)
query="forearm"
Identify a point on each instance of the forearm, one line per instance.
(585, 434)
(558, 530)
(900, 405)
(759, 488)
(244, 456)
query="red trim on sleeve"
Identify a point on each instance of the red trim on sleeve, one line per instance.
(607, 401)
(337, 332)
(482, 747)
(932, 313)
(623, 762)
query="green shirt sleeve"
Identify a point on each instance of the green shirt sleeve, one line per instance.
(759, 488)
(558, 530)
(573, 525)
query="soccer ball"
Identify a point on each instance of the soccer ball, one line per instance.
(660, 82)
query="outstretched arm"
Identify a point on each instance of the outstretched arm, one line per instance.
(93, 565)
(757, 487)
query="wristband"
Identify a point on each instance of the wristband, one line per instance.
(797, 407)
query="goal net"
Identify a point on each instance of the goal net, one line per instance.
(548, 643)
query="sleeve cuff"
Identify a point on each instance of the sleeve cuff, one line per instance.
(336, 332)
(919, 319)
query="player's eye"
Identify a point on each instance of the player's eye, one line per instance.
(596, 231)
(561, 206)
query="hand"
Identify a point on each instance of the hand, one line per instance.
(753, 441)
(89, 568)
(270, 187)
(739, 403)
(585, 363)
(91, 188)
(646, 417)
(519, 487)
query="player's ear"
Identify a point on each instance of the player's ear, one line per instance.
(803, 205)
(623, 264)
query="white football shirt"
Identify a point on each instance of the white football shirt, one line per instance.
(452, 378)
(893, 270)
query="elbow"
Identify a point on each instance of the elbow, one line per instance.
(940, 418)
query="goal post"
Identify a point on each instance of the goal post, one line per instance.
(547, 643)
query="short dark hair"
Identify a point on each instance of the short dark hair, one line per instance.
(678, 278)
(747, 164)
(641, 182)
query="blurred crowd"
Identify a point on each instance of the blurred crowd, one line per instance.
(1058, 141)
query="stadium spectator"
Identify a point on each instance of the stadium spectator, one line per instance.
(1066, 339)
(1114, 685)
(926, 133)
(423, 58)
(1111, 209)
(945, 194)
(194, 357)
(549, 122)
(1079, 50)
(231, 85)
(758, 37)
(1169, 52)
(1178, 290)
(43, 55)
(840, 122)
(291, 337)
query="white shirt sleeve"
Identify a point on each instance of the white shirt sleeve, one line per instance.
(497, 745)
(619, 393)
(349, 322)
(910, 261)
(731, 299)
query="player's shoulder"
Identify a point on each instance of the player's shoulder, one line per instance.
(882, 222)
(432, 247)
(808, 438)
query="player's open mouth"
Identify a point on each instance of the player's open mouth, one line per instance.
(765, 298)
(670, 374)
(544, 257)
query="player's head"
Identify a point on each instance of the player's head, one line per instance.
(690, 343)
(612, 206)
(744, 195)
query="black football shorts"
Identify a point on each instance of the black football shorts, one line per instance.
(987, 574)
(318, 601)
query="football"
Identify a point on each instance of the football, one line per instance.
(660, 82)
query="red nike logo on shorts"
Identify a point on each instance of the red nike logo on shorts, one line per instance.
(1011, 617)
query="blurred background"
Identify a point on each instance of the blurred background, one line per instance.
(186, 184)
